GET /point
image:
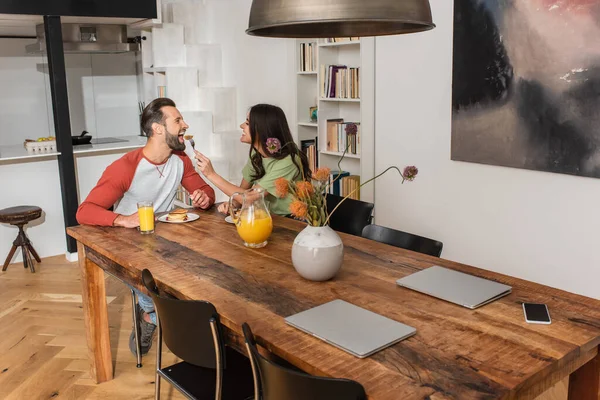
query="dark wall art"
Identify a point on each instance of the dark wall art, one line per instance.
(526, 84)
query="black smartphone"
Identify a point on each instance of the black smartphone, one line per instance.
(536, 313)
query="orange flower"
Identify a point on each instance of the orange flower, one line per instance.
(298, 209)
(322, 174)
(281, 187)
(304, 189)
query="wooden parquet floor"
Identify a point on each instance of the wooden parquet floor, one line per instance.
(43, 352)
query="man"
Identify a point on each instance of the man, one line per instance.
(152, 173)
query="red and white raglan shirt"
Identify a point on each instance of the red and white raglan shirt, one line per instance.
(134, 178)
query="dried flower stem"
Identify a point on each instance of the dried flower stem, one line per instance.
(361, 185)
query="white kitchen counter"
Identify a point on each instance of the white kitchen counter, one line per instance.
(18, 152)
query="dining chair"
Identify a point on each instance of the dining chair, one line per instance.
(403, 239)
(351, 216)
(192, 332)
(275, 382)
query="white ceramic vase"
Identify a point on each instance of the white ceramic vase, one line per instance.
(317, 253)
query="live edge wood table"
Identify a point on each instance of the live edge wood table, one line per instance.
(457, 353)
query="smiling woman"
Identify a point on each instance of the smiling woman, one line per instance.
(272, 155)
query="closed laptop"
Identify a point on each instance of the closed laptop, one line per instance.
(454, 286)
(351, 328)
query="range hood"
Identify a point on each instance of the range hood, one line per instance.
(87, 38)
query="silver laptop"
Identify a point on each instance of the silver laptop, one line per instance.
(353, 329)
(456, 287)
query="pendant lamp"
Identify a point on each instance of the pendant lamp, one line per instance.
(338, 18)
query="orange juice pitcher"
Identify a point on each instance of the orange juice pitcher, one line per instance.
(253, 222)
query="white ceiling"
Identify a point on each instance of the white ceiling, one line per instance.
(24, 25)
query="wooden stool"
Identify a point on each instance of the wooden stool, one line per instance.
(20, 216)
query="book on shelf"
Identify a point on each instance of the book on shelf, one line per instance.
(342, 39)
(348, 185)
(335, 182)
(338, 139)
(311, 149)
(308, 57)
(339, 82)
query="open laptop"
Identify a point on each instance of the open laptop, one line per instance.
(456, 287)
(353, 329)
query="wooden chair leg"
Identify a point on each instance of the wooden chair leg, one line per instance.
(33, 252)
(25, 258)
(30, 260)
(11, 253)
(136, 329)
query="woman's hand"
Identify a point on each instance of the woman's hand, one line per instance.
(223, 208)
(204, 164)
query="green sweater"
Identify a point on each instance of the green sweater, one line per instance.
(274, 169)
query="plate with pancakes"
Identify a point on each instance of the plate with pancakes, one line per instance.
(178, 216)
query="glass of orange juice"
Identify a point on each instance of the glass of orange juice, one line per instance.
(146, 214)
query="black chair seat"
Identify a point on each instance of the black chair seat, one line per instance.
(199, 383)
(351, 216)
(192, 331)
(276, 382)
(403, 240)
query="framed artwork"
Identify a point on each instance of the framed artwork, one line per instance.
(526, 84)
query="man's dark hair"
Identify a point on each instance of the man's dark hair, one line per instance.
(153, 113)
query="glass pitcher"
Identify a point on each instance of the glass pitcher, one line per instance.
(253, 221)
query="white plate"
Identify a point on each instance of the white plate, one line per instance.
(228, 219)
(191, 217)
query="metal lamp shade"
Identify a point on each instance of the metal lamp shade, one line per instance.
(338, 18)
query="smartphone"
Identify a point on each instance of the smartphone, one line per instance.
(536, 313)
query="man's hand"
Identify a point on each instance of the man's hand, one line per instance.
(127, 221)
(200, 199)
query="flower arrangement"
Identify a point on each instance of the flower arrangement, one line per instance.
(309, 203)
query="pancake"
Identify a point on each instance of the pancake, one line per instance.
(179, 214)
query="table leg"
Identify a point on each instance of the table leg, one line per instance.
(584, 384)
(96, 318)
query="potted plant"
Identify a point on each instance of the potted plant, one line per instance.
(318, 251)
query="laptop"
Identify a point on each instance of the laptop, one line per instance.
(456, 287)
(348, 327)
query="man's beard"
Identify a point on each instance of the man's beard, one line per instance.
(173, 142)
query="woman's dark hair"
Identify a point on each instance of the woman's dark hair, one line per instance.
(153, 113)
(268, 121)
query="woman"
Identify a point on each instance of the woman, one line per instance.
(273, 154)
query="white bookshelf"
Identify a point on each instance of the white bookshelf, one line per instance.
(353, 43)
(340, 100)
(353, 54)
(309, 124)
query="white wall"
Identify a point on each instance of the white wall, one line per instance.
(261, 69)
(36, 184)
(538, 226)
(24, 111)
(102, 89)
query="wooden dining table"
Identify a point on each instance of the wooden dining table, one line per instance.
(457, 353)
